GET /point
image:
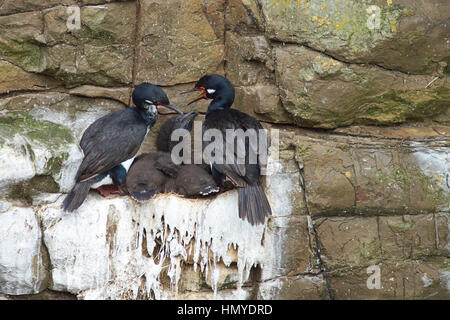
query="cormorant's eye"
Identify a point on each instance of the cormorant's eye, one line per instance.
(147, 104)
(210, 91)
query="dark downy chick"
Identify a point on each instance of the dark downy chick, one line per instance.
(192, 181)
(148, 175)
(162, 175)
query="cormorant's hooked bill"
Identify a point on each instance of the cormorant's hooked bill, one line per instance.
(187, 115)
(188, 91)
(215, 87)
(168, 106)
(200, 97)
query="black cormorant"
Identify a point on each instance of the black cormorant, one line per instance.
(244, 175)
(111, 142)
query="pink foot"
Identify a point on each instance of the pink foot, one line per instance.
(110, 189)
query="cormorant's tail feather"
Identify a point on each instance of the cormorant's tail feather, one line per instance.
(76, 196)
(253, 204)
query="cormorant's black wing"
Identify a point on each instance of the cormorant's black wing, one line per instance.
(240, 174)
(248, 122)
(110, 141)
(88, 140)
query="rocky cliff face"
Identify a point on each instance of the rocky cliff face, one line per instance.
(360, 192)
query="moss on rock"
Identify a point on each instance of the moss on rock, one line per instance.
(397, 106)
(45, 133)
(44, 148)
(25, 190)
(27, 55)
(319, 91)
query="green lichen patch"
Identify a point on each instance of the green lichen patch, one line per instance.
(302, 151)
(98, 51)
(446, 69)
(400, 106)
(351, 28)
(25, 54)
(401, 226)
(368, 250)
(401, 175)
(47, 144)
(429, 193)
(90, 64)
(318, 91)
(44, 133)
(25, 190)
(433, 190)
(99, 25)
(54, 165)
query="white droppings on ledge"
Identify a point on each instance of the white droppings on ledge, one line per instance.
(116, 248)
(14, 166)
(97, 251)
(212, 225)
(21, 265)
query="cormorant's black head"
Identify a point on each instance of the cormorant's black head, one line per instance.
(148, 97)
(217, 88)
